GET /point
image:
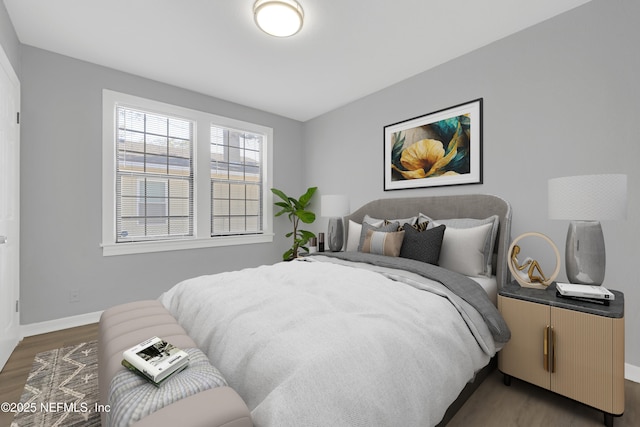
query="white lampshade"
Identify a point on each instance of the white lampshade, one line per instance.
(280, 18)
(333, 205)
(588, 197)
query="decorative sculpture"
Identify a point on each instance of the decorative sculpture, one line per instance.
(528, 262)
(534, 276)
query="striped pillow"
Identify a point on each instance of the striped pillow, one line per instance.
(381, 243)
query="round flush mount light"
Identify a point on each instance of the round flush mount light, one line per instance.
(280, 18)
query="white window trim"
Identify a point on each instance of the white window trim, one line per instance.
(202, 182)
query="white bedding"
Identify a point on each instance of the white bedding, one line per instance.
(325, 344)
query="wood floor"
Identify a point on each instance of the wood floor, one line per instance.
(492, 404)
(15, 372)
(525, 405)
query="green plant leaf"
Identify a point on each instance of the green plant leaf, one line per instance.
(288, 254)
(306, 216)
(281, 195)
(306, 234)
(283, 205)
(296, 205)
(306, 197)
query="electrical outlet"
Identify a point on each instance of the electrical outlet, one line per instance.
(74, 295)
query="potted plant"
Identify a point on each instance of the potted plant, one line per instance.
(297, 211)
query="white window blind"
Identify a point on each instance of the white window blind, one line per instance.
(236, 182)
(154, 176)
(175, 178)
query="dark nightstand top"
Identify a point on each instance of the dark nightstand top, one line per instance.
(548, 296)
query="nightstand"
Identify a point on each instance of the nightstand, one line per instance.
(570, 347)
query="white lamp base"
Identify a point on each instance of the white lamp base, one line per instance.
(585, 256)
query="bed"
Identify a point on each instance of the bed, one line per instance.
(360, 337)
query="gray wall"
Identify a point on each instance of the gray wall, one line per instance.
(9, 39)
(61, 191)
(561, 98)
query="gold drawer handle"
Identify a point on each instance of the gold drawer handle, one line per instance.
(545, 348)
(552, 350)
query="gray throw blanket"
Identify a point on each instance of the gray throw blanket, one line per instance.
(459, 284)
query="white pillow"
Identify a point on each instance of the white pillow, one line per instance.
(463, 249)
(353, 238)
(469, 223)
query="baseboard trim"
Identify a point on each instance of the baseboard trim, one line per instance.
(59, 324)
(632, 373)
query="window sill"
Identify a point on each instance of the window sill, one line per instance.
(113, 249)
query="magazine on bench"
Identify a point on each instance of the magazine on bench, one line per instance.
(135, 370)
(156, 358)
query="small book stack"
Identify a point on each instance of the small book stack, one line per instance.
(595, 294)
(155, 360)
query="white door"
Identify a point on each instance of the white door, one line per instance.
(9, 208)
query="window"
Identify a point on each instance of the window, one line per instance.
(154, 176)
(175, 178)
(236, 181)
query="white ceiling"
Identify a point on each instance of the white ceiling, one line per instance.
(347, 49)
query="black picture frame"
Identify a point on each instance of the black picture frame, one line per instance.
(437, 149)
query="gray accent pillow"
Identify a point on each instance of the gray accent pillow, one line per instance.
(366, 227)
(470, 223)
(422, 245)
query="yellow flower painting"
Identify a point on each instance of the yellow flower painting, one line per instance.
(445, 151)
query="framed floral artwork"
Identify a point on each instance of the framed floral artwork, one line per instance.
(437, 149)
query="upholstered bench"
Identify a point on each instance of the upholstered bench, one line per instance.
(126, 325)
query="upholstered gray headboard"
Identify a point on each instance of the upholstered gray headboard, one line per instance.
(477, 206)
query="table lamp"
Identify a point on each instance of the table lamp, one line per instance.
(585, 201)
(335, 207)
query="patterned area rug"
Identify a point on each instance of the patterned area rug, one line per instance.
(62, 389)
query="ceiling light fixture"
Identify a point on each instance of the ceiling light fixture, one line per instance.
(280, 18)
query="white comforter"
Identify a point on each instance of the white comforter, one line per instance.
(324, 344)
